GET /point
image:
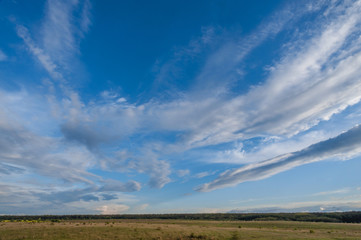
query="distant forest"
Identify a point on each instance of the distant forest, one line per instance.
(337, 217)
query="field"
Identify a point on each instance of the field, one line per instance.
(176, 229)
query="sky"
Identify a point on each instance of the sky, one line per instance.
(113, 107)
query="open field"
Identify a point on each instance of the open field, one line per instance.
(176, 229)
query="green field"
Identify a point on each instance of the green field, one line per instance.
(176, 229)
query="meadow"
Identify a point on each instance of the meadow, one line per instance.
(101, 229)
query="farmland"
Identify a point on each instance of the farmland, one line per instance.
(102, 229)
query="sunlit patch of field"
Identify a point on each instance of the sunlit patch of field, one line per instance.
(176, 229)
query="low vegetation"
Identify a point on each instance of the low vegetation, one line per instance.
(102, 229)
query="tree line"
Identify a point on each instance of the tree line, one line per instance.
(341, 217)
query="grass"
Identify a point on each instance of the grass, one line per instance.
(176, 229)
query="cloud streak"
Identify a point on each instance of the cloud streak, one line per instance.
(39, 53)
(60, 36)
(3, 56)
(345, 145)
(67, 135)
(308, 85)
(63, 28)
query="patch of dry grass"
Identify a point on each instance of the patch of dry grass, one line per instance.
(176, 229)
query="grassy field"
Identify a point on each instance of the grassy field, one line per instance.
(177, 229)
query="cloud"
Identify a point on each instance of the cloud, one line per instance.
(341, 200)
(57, 27)
(85, 20)
(23, 146)
(333, 192)
(204, 174)
(60, 36)
(316, 76)
(44, 59)
(300, 82)
(108, 191)
(16, 199)
(47, 170)
(9, 169)
(44, 155)
(309, 84)
(116, 186)
(183, 172)
(143, 206)
(20, 198)
(83, 134)
(62, 30)
(168, 73)
(113, 209)
(343, 146)
(3, 56)
(222, 65)
(265, 147)
(322, 206)
(60, 158)
(158, 170)
(100, 122)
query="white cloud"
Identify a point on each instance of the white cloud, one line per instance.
(46, 169)
(158, 170)
(143, 207)
(61, 31)
(346, 199)
(204, 174)
(39, 53)
(270, 147)
(310, 83)
(85, 21)
(294, 97)
(46, 155)
(60, 36)
(113, 209)
(333, 192)
(183, 172)
(344, 146)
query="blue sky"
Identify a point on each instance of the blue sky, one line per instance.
(179, 106)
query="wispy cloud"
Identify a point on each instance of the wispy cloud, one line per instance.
(113, 209)
(85, 20)
(9, 169)
(333, 192)
(44, 59)
(347, 200)
(293, 96)
(303, 77)
(108, 191)
(31, 199)
(3, 56)
(297, 85)
(345, 145)
(59, 37)
(146, 161)
(183, 172)
(317, 206)
(27, 155)
(63, 29)
(204, 174)
(316, 76)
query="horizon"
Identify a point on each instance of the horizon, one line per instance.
(139, 107)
